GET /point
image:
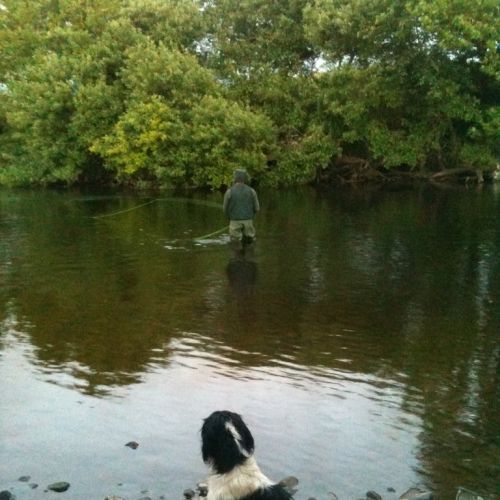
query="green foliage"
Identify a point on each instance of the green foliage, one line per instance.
(176, 23)
(177, 128)
(182, 92)
(200, 146)
(464, 29)
(169, 73)
(251, 36)
(38, 114)
(414, 83)
(311, 152)
(227, 136)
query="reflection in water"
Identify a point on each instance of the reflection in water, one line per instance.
(359, 338)
(242, 270)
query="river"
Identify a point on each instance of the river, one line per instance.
(359, 338)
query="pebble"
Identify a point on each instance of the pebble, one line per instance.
(132, 444)
(465, 494)
(59, 486)
(189, 493)
(24, 479)
(417, 494)
(290, 484)
(373, 495)
(113, 497)
(6, 495)
(202, 489)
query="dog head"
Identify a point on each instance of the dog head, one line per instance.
(226, 441)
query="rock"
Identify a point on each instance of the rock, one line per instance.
(332, 495)
(24, 479)
(290, 484)
(417, 494)
(33, 486)
(6, 495)
(189, 493)
(390, 489)
(113, 497)
(59, 486)
(132, 444)
(428, 495)
(202, 489)
(373, 495)
(465, 494)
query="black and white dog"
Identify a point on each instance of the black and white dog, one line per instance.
(227, 446)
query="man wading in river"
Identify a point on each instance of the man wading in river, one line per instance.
(240, 206)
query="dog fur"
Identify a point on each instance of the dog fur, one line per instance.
(227, 447)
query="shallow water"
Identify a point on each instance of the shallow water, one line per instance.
(359, 339)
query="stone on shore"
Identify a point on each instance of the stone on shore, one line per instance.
(59, 487)
(417, 494)
(466, 494)
(202, 489)
(189, 493)
(290, 484)
(6, 495)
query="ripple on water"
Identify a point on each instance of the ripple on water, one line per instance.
(195, 352)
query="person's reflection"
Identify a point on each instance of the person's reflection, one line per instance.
(242, 269)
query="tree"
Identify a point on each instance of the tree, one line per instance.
(179, 92)
(177, 128)
(400, 89)
(260, 51)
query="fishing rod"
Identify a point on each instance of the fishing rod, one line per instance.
(206, 236)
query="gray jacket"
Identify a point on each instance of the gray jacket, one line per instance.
(240, 202)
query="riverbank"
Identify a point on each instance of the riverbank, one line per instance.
(352, 170)
(18, 490)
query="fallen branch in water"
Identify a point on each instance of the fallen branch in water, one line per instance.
(453, 172)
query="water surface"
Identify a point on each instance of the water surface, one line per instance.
(359, 339)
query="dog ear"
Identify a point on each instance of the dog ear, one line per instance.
(244, 436)
(226, 441)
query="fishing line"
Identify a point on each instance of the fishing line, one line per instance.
(123, 211)
(183, 200)
(212, 204)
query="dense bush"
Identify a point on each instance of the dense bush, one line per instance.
(182, 92)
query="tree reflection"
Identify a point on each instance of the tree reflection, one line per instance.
(399, 287)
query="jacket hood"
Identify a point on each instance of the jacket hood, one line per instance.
(240, 176)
